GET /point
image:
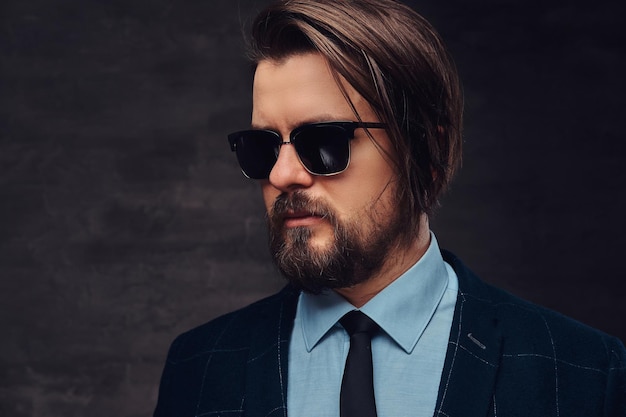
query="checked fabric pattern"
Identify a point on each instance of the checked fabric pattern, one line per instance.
(506, 357)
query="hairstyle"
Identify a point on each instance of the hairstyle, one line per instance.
(395, 59)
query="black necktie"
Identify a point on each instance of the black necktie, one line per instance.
(357, 386)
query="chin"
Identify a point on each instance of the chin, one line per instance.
(321, 241)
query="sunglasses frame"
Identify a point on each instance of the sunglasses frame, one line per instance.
(348, 126)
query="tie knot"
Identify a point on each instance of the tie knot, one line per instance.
(356, 322)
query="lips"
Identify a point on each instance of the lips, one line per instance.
(298, 214)
(300, 218)
(299, 210)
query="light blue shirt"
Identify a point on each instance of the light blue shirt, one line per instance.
(415, 311)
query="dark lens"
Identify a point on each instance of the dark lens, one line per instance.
(323, 149)
(257, 151)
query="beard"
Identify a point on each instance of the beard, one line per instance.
(358, 249)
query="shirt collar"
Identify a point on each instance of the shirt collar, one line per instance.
(403, 309)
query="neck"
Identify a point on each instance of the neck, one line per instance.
(398, 261)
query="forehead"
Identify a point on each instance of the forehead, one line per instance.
(302, 88)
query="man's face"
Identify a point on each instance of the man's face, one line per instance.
(325, 231)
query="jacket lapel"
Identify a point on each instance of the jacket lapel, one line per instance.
(474, 350)
(266, 381)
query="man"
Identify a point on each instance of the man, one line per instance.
(356, 132)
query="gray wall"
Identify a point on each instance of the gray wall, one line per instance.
(124, 219)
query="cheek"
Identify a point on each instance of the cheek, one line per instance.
(269, 194)
(369, 186)
(355, 204)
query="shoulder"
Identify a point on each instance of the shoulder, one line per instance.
(234, 330)
(545, 361)
(207, 367)
(529, 329)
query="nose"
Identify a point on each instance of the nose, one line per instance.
(288, 174)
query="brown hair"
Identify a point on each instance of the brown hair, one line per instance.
(394, 58)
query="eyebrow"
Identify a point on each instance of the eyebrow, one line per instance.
(317, 119)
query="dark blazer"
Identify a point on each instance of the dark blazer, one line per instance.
(506, 357)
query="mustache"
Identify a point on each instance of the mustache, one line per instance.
(299, 202)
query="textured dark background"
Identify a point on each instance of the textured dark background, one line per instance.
(124, 219)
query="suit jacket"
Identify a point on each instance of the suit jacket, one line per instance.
(505, 357)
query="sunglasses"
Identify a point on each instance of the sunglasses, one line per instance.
(323, 148)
